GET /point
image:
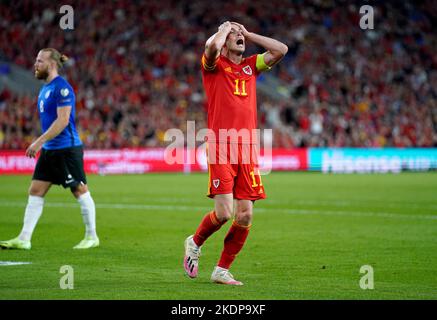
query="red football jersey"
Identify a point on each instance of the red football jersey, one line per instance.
(231, 92)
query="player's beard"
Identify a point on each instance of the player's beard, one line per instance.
(42, 74)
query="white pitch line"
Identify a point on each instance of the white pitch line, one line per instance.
(368, 203)
(327, 202)
(12, 263)
(121, 206)
(357, 214)
(129, 206)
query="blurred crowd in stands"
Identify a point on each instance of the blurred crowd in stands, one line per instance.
(135, 68)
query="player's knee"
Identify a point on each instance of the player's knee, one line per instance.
(223, 213)
(36, 192)
(79, 190)
(244, 217)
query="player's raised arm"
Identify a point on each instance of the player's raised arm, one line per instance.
(215, 43)
(275, 50)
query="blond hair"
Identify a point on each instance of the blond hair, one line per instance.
(55, 55)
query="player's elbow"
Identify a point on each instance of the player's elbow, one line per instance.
(279, 53)
(282, 50)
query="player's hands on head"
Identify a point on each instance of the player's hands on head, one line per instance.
(241, 27)
(225, 26)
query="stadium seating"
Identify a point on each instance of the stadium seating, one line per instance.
(135, 68)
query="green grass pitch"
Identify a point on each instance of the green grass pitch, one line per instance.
(309, 239)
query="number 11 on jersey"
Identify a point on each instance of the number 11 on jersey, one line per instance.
(237, 91)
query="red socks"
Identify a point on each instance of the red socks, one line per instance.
(207, 227)
(234, 242)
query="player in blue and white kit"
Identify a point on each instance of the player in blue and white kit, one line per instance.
(61, 158)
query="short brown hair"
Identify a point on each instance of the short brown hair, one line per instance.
(59, 58)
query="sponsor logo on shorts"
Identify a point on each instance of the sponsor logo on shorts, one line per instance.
(70, 179)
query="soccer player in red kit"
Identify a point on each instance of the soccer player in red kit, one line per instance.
(230, 85)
